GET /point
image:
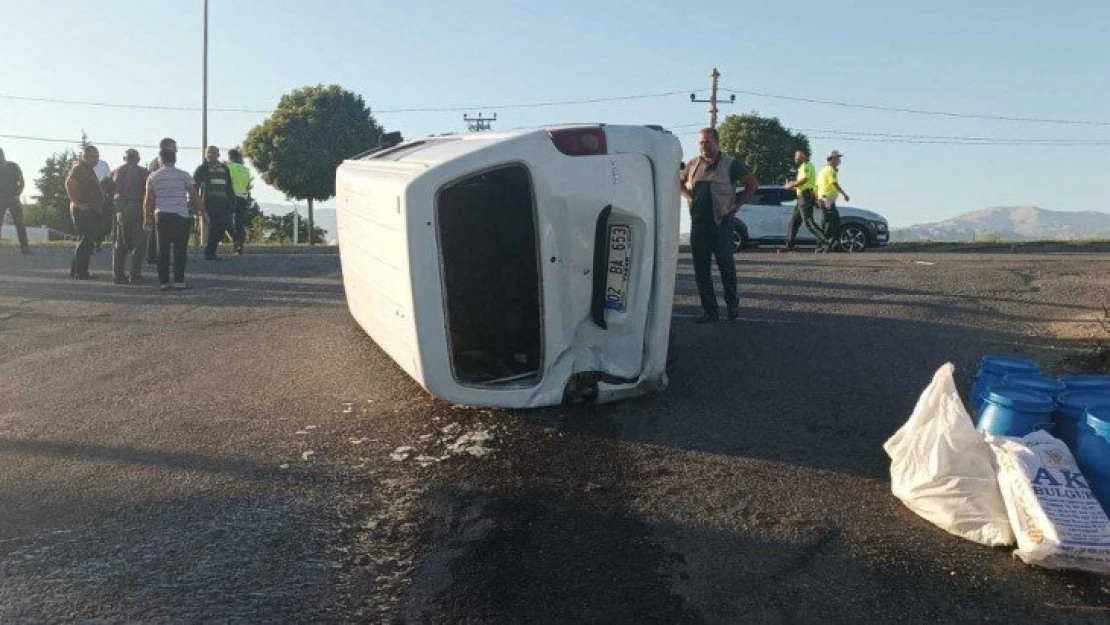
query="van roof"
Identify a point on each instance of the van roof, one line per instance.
(435, 149)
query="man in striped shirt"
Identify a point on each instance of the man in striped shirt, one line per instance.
(166, 208)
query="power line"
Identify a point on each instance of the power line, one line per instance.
(441, 109)
(96, 143)
(895, 109)
(1063, 143)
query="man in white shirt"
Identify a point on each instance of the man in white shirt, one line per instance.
(169, 192)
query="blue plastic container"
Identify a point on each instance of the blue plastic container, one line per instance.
(1071, 412)
(1035, 382)
(991, 371)
(1093, 453)
(1087, 382)
(1013, 411)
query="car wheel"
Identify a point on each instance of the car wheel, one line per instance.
(739, 241)
(853, 238)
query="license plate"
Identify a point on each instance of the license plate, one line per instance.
(620, 263)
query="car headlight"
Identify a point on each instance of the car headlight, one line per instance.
(879, 226)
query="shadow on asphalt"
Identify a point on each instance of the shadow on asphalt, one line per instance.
(807, 389)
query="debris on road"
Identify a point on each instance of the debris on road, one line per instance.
(348, 407)
(402, 453)
(455, 441)
(924, 262)
(358, 441)
(306, 455)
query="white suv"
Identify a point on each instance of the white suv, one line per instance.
(764, 220)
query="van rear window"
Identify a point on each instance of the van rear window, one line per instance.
(487, 235)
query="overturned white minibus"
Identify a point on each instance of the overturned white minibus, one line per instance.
(517, 269)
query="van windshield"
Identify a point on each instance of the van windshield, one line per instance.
(487, 236)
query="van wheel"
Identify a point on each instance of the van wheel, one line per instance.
(852, 238)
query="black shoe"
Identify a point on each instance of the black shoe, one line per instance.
(137, 280)
(121, 280)
(707, 318)
(733, 315)
(83, 276)
(207, 257)
(26, 251)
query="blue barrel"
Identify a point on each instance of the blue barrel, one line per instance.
(1035, 382)
(991, 371)
(1014, 411)
(1087, 382)
(1071, 412)
(1093, 453)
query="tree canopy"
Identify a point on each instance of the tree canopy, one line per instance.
(312, 131)
(762, 144)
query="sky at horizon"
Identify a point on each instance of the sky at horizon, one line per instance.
(990, 57)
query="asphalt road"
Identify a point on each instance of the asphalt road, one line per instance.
(155, 456)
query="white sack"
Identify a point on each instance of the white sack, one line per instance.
(941, 467)
(1058, 522)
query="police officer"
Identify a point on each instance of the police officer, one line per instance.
(241, 184)
(213, 180)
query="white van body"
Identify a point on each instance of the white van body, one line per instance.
(517, 269)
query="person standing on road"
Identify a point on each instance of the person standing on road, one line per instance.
(213, 179)
(709, 184)
(152, 241)
(241, 184)
(828, 188)
(166, 210)
(128, 186)
(11, 187)
(805, 186)
(87, 209)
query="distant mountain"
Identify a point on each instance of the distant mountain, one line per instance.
(1011, 223)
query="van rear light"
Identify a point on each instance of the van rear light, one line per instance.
(580, 141)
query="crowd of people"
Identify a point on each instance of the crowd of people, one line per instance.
(150, 210)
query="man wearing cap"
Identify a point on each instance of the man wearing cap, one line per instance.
(828, 189)
(240, 183)
(709, 184)
(11, 187)
(804, 185)
(128, 186)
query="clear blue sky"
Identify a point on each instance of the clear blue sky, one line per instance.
(999, 57)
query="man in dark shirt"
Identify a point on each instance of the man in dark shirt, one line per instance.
(87, 209)
(127, 184)
(709, 184)
(11, 187)
(213, 180)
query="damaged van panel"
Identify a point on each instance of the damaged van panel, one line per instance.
(517, 269)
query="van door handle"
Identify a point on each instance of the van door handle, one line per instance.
(601, 261)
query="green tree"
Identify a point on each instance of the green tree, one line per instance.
(51, 206)
(302, 143)
(763, 145)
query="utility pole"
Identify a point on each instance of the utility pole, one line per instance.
(479, 123)
(204, 110)
(713, 98)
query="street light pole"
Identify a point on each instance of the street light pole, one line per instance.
(204, 104)
(204, 111)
